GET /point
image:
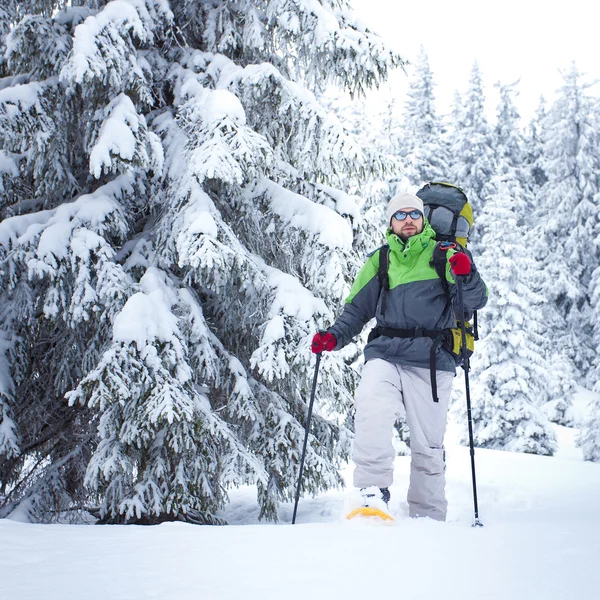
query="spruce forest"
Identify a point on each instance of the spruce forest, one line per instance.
(187, 190)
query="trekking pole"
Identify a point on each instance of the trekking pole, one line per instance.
(465, 357)
(306, 430)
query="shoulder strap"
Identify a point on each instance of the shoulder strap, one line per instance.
(439, 264)
(384, 263)
(439, 261)
(382, 273)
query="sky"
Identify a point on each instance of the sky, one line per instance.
(539, 539)
(525, 40)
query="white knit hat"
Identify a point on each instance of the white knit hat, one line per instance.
(402, 201)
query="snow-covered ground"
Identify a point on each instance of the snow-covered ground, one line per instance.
(540, 540)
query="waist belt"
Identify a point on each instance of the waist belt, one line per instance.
(438, 337)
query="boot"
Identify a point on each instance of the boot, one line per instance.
(375, 497)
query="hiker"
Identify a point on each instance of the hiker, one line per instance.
(413, 316)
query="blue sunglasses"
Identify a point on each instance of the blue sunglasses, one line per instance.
(400, 215)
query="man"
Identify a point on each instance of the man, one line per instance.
(396, 378)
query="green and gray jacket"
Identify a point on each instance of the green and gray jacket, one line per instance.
(416, 298)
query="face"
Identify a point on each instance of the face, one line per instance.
(408, 227)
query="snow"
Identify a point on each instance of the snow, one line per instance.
(20, 98)
(200, 221)
(147, 315)
(87, 59)
(55, 226)
(581, 400)
(219, 104)
(539, 540)
(345, 204)
(327, 24)
(210, 106)
(8, 165)
(330, 229)
(117, 135)
(291, 297)
(13, 228)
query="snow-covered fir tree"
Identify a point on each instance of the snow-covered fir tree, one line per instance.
(173, 233)
(470, 138)
(510, 372)
(507, 139)
(422, 145)
(372, 129)
(568, 205)
(534, 150)
(589, 437)
(390, 136)
(509, 146)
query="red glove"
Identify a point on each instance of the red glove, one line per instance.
(460, 264)
(323, 340)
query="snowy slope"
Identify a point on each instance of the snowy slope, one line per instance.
(541, 540)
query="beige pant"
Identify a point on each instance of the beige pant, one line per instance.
(387, 391)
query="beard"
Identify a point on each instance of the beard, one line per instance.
(408, 232)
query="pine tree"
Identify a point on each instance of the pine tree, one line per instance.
(534, 150)
(510, 374)
(391, 133)
(172, 237)
(568, 207)
(8, 18)
(589, 436)
(509, 145)
(422, 146)
(507, 139)
(471, 142)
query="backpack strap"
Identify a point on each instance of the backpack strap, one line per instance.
(439, 264)
(439, 261)
(382, 273)
(384, 263)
